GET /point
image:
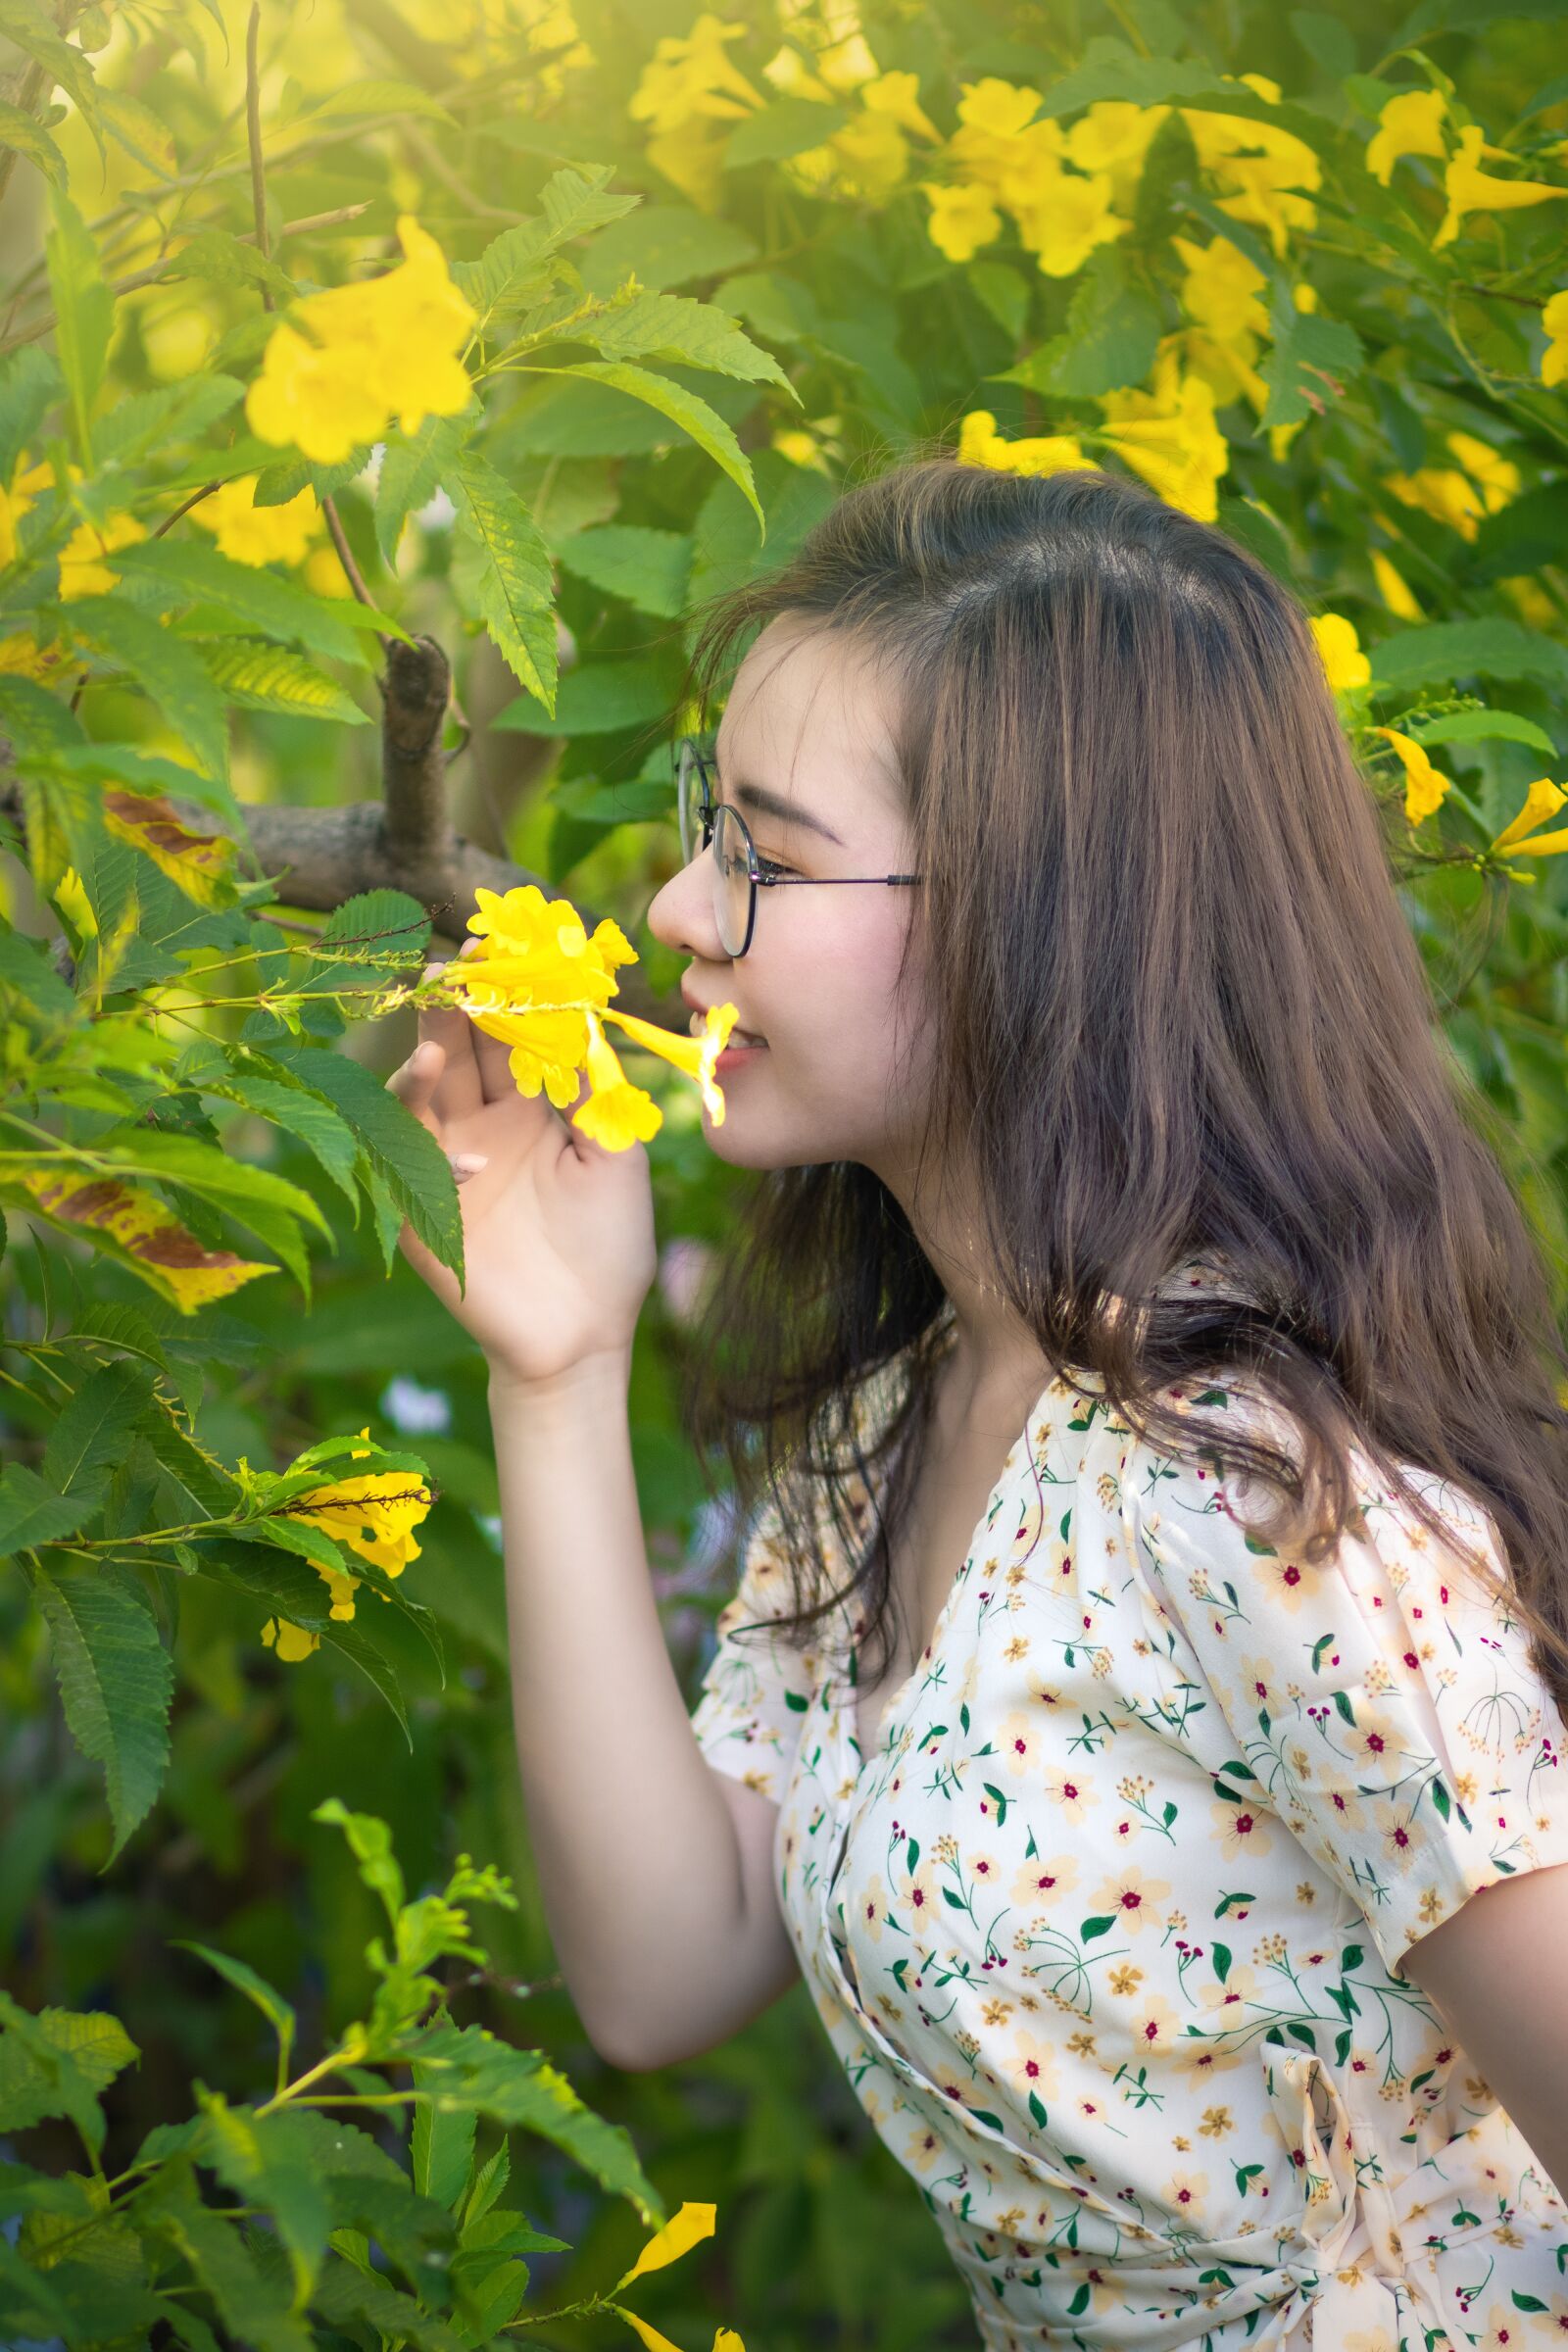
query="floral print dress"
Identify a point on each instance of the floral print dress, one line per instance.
(1106, 1934)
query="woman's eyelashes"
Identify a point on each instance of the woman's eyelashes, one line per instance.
(767, 865)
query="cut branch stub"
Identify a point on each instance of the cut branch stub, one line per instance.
(416, 689)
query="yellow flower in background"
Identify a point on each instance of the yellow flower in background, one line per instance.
(1393, 588)
(831, 30)
(1265, 168)
(21, 657)
(897, 96)
(292, 1641)
(1221, 288)
(1341, 648)
(1113, 137)
(1168, 436)
(1495, 476)
(1542, 799)
(1469, 189)
(1554, 359)
(691, 94)
(962, 219)
(1411, 124)
(995, 109)
(83, 569)
(980, 443)
(358, 357)
(1424, 787)
(19, 498)
(250, 534)
(1070, 217)
(1442, 492)
(1533, 605)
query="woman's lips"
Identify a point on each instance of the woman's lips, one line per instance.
(737, 1037)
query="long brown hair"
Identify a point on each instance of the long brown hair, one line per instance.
(1178, 1013)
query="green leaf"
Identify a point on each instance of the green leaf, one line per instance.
(218, 258)
(1101, 1926)
(25, 973)
(31, 385)
(345, 2294)
(302, 1113)
(1110, 338)
(1478, 727)
(369, 1842)
(376, 97)
(1220, 1954)
(162, 665)
(1310, 365)
(516, 590)
(645, 568)
(599, 698)
(271, 2004)
(384, 930)
(467, 2068)
(116, 1682)
(84, 308)
(256, 596)
(442, 2149)
(1446, 651)
(666, 245)
(29, 138)
(404, 1153)
(694, 416)
(263, 677)
(91, 1435)
(788, 126)
(33, 1513)
(57, 2063)
(680, 331)
(253, 2305)
(261, 2165)
(411, 469)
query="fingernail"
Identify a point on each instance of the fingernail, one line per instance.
(468, 1163)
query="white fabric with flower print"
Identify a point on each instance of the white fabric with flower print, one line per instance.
(1106, 1934)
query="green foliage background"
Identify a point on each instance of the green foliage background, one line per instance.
(819, 330)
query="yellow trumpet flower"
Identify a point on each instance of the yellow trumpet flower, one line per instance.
(1469, 189)
(1543, 798)
(1424, 787)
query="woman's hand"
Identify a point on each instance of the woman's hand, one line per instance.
(558, 1243)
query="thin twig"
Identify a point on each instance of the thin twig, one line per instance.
(253, 133)
(345, 556)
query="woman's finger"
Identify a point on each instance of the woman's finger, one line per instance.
(448, 1026)
(415, 1081)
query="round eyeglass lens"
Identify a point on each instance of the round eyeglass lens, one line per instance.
(732, 882)
(689, 797)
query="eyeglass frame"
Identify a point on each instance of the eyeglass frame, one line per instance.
(709, 812)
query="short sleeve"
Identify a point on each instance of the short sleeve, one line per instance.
(758, 1687)
(1383, 1698)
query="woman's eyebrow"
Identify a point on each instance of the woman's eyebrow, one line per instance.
(773, 804)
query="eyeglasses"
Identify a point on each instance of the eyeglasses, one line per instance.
(738, 871)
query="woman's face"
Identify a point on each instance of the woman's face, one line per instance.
(807, 724)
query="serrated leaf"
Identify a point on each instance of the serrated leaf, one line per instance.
(263, 677)
(675, 329)
(1309, 366)
(92, 1433)
(467, 2068)
(516, 587)
(220, 259)
(302, 1113)
(254, 595)
(25, 976)
(116, 1682)
(31, 1512)
(84, 308)
(404, 1153)
(1110, 341)
(138, 130)
(261, 2163)
(411, 469)
(139, 1230)
(442, 2149)
(162, 665)
(57, 2063)
(694, 416)
(29, 138)
(376, 97)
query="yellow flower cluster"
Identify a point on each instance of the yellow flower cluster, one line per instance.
(1483, 481)
(374, 1516)
(688, 86)
(1167, 435)
(541, 985)
(352, 358)
(250, 534)
(1412, 124)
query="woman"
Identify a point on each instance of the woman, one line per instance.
(1152, 1638)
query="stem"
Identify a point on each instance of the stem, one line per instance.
(253, 131)
(345, 556)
